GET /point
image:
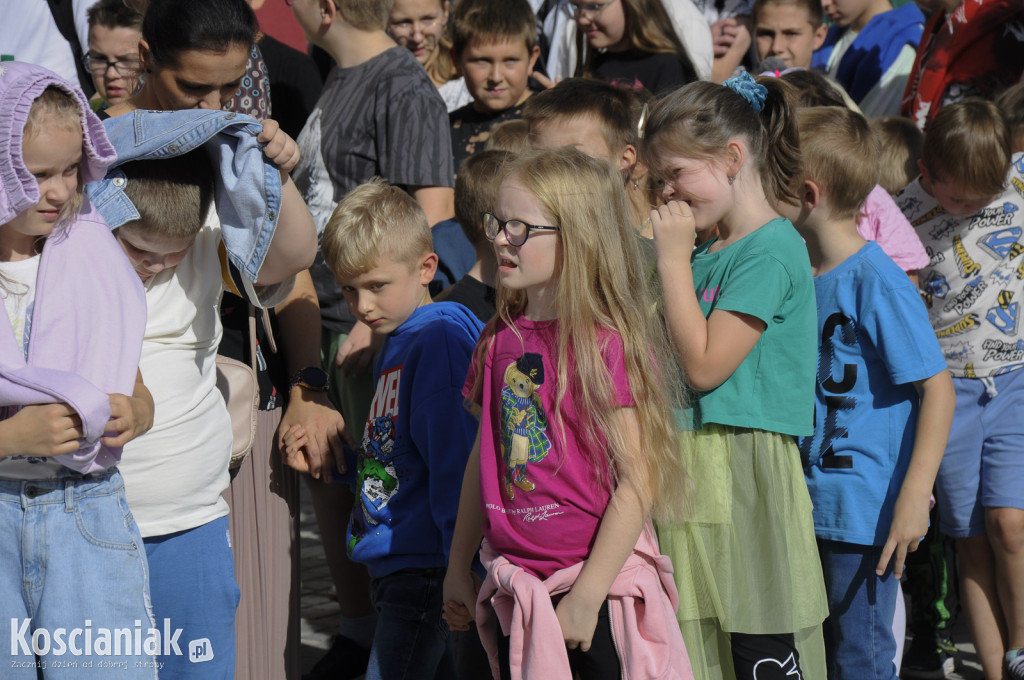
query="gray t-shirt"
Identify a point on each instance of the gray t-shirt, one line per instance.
(382, 118)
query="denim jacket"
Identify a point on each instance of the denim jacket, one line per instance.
(248, 193)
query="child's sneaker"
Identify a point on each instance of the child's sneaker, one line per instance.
(1015, 664)
(929, 658)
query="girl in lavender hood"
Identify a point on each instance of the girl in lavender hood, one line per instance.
(74, 575)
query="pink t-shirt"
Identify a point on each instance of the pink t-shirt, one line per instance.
(882, 221)
(542, 498)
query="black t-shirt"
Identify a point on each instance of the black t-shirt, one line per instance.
(657, 72)
(471, 129)
(475, 295)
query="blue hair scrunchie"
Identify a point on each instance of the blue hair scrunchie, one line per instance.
(745, 86)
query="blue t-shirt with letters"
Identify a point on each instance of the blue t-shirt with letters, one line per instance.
(874, 342)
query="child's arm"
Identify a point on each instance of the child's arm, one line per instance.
(910, 515)
(129, 416)
(437, 202)
(460, 590)
(41, 430)
(709, 350)
(294, 245)
(620, 528)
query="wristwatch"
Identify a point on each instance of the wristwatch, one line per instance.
(312, 378)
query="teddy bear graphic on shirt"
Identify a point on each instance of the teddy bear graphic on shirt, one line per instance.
(523, 421)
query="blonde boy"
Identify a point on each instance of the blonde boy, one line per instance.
(884, 400)
(417, 436)
(495, 48)
(379, 115)
(967, 209)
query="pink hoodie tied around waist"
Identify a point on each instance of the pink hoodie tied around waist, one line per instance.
(641, 606)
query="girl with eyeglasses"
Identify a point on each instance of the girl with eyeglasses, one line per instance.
(577, 441)
(630, 43)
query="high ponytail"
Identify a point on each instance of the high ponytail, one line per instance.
(780, 168)
(700, 119)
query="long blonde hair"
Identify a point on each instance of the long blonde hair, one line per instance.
(602, 288)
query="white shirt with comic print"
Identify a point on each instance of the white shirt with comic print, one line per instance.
(974, 284)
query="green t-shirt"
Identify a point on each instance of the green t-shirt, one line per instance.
(766, 274)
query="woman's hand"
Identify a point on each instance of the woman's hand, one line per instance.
(41, 430)
(311, 434)
(278, 146)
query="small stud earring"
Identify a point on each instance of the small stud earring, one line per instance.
(636, 183)
(732, 178)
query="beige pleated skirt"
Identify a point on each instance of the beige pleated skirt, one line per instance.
(264, 500)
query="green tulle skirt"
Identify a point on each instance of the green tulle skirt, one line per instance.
(747, 560)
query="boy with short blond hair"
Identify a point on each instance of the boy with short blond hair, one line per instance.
(877, 444)
(870, 51)
(417, 436)
(495, 49)
(901, 144)
(967, 208)
(789, 30)
(379, 115)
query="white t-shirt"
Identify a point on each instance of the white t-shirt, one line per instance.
(29, 32)
(18, 289)
(175, 473)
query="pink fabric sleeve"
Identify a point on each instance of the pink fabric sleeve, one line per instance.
(882, 221)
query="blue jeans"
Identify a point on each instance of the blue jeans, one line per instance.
(412, 640)
(73, 566)
(194, 589)
(859, 641)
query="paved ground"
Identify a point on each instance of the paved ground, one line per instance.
(319, 612)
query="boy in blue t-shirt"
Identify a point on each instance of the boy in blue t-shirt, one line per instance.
(417, 437)
(884, 400)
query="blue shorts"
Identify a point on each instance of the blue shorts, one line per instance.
(983, 466)
(192, 577)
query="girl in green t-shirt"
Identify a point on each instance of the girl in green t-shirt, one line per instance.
(741, 311)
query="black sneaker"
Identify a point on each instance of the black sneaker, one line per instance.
(345, 660)
(929, 658)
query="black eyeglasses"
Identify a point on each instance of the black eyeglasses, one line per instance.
(516, 231)
(99, 65)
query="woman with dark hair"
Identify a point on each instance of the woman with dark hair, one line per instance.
(197, 54)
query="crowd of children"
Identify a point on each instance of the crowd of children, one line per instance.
(632, 374)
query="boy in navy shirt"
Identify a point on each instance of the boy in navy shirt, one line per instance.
(417, 437)
(884, 400)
